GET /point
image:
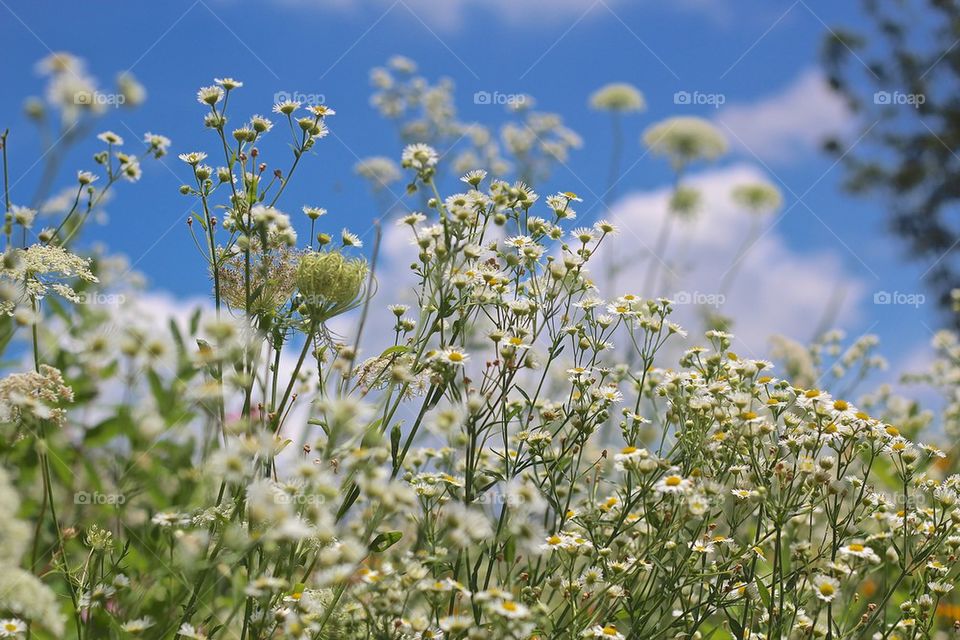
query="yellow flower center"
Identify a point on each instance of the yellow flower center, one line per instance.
(856, 547)
(455, 356)
(826, 588)
(628, 450)
(673, 481)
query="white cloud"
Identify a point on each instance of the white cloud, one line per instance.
(781, 126)
(776, 289)
(451, 14)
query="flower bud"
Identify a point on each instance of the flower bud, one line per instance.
(330, 281)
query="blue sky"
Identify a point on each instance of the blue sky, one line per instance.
(761, 55)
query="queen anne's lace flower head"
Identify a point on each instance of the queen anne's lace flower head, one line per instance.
(685, 139)
(618, 96)
(42, 268)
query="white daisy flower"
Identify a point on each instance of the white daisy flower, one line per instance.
(672, 484)
(825, 587)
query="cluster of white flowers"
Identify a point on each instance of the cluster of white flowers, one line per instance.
(529, 146)
(522, 460)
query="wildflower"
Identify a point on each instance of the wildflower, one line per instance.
(187, 630)
(618, 97)
(759, 198)
(286, 107)
(272, 278)
(350, 239)
(672, 484)
(857, 550)
(85, 178)
(685, 139)
(157, 144)
(685, 201)
(193, 158)
(510, 609)
(825, 587)
(940, 588)
(137, 626)
(209, 95)
(40, 395)
(129, 167)
(169, 519)
(412, 219)
(605, 227)
(456, 624)
(583, 235)
(110, 138)
(566, 542)
(321, 110)
(702, 547)
(519, 242)
(608, 632)
(419, 156)
(60, 62)
(12, 628)
(330, 281)
(228, 83)
(444, 586)
(454, 356)
(610, 393)
(898, 446)
(474, 178)
(260, 124)
(23, 216)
